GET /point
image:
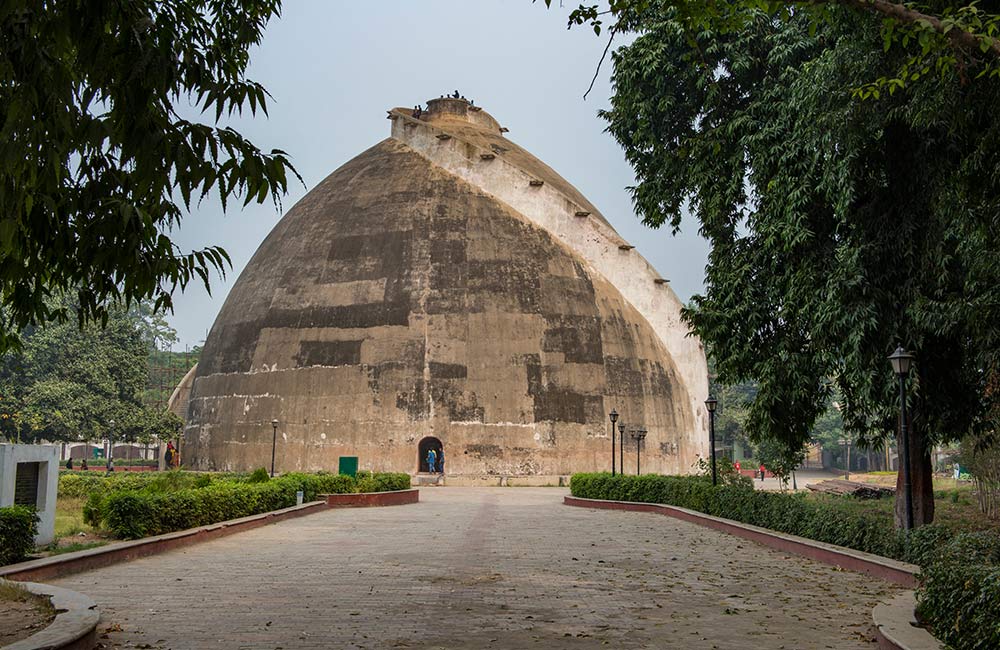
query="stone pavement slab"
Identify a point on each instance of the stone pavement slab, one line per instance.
(481, 568)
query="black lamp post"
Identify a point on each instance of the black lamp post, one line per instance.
(639, 435)
(111, 444)
(902, 361)
(614, 418)
(846, 444)
(710, 404)
(621, 449)
(274, 442)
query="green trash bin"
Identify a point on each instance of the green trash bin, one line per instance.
(349, 465)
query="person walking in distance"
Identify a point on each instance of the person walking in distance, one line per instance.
(762, 470)
(431, 461)
(440, 462)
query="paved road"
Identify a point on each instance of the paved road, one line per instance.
(481, 568)
(802, 479)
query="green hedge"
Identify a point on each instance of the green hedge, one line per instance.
(960, 580)
(381, 482)
(18, 527)
(134, 514)
(960, 592)
(83, 484)
(131, 514)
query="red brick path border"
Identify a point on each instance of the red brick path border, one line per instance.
(371, 499)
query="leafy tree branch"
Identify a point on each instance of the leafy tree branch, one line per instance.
(96, 165)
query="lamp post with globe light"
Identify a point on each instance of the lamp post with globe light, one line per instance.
(902, 361)
(639, 435)
(710, 404)
(621, 448)
(614, 418)
(274, 442)
(111, 444)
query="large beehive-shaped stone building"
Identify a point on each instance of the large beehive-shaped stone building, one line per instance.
(446, 287)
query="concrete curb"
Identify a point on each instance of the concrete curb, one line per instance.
(75, 624)
(896, 626)
(372, 499)
(894, 571)
(94, 558)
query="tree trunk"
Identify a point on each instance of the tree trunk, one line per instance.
(921, 482)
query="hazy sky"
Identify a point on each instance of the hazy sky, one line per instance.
(335, 66)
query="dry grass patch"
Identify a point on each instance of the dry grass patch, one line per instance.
(21, 613)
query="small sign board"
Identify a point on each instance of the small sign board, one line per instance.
(348, 465)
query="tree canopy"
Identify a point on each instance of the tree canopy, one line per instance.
(839, 226)
(937, 35)
(68, 384)
(96, 164)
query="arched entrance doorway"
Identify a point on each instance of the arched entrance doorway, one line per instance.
(428, 443)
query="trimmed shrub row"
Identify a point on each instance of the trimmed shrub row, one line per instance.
(959, 597)
(18, 527)
(131, 514)
(134, 514)
(381, 482)
(82, 484)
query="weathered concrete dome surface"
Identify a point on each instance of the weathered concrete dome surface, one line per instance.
(400, 300)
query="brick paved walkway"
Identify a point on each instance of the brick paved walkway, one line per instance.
(481, 568)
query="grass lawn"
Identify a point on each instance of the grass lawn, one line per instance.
(21, 613)
(953, 507)
(69, 517)
(71, 533)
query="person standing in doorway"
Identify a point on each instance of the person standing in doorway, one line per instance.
(431, 461)
(441, 461)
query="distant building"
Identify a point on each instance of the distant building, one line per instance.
(446, 288)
